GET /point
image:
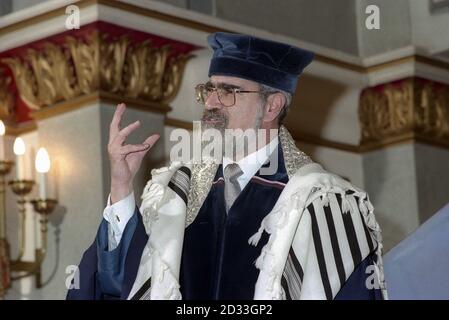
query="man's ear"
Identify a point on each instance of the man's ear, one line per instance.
(273, 106)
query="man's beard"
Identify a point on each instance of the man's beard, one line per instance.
(214, 119)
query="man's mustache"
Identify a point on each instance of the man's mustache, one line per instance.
(214, 115)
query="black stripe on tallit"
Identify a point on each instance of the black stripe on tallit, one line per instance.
(296, 264)
(179, 183)
(293, 275)
(320, 253)
(186, 171)
(351, 235)
(178, 191)
(284, 285)
(334, 243)
(143, 289)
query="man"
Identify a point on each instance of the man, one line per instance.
(233, 230)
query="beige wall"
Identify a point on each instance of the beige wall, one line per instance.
(77, 144)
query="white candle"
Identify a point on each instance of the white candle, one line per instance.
(19, 151)
(42, 164)
(42, 193)
(2, 140)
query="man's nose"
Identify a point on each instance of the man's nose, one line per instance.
(212, 102)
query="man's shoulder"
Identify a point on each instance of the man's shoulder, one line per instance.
(321, 191)
(314, 178)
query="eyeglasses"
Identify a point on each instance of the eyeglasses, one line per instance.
(226, 94)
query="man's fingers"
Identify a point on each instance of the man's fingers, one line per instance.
(146, 145)
(130, 148)
(115, 123)
(121, 136)
(151, 140)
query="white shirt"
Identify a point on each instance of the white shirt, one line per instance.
(120, 212)
(118, 216)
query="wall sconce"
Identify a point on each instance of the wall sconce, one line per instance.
(43, 206)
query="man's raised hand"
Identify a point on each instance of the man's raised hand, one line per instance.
(125, 159)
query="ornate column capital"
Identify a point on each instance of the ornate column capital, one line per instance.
(408, 109)
(101, 58)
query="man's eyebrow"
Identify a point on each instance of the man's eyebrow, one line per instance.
(223, 85)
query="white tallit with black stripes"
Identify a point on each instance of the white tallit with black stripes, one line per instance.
(320, 229)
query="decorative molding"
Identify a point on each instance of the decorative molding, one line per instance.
(80, 67)
(22, 128)
(172, 122)
(409, 109)
(320, 142)
(96, 97)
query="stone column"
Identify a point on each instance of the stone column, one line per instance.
(405, 139)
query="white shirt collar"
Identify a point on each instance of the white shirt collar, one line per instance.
(252, 162)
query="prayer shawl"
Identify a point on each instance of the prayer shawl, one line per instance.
(310, 251)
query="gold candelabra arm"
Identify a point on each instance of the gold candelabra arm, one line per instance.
(44, 207)
(21, 188)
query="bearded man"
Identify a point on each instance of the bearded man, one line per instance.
(234, 229)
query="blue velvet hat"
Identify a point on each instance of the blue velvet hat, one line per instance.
(275, 64)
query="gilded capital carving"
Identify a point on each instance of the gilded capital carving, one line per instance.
(94, 63)
(86, 59)
(432, 110)
(413, 108)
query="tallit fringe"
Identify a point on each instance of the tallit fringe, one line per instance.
(367, 210)
(277, 219)
(153, 197)
(274, 222)
(165, 280)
